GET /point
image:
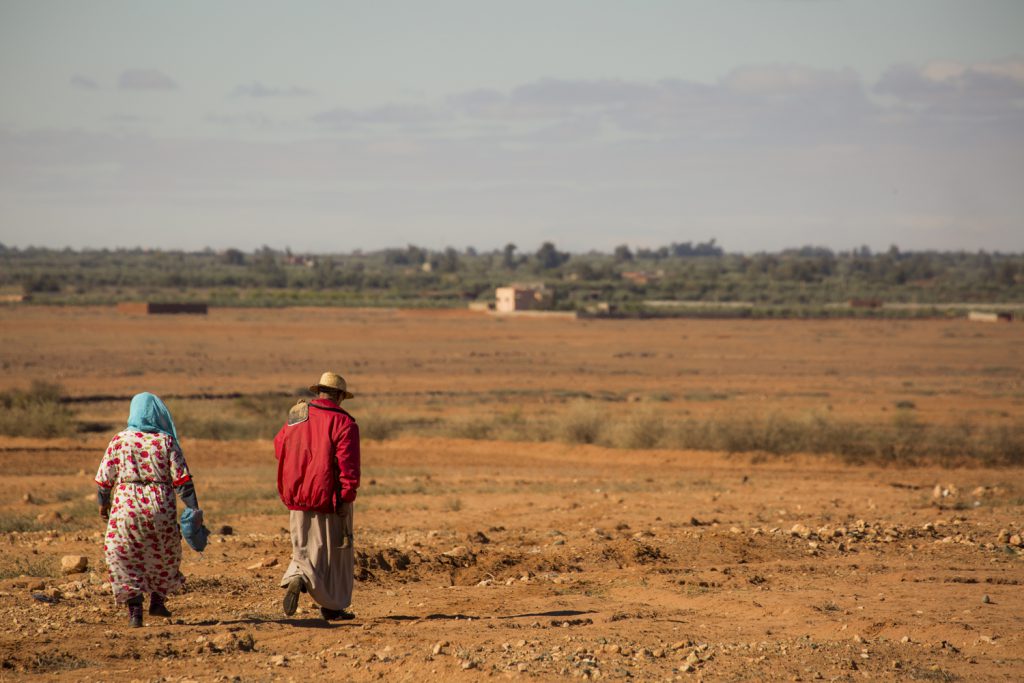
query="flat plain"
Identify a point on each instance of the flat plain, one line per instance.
(534, 559)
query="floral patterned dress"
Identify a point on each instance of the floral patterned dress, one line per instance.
(143, 544)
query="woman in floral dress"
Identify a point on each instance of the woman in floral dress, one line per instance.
(137, 479)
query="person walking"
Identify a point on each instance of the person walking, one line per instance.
(317, 453)
(142, 469)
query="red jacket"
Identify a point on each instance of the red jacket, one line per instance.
(318, 459)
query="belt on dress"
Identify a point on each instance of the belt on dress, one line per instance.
(145, 481)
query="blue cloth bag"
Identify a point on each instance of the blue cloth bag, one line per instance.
(193, 530)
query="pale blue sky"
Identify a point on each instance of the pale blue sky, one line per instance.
(331, 126)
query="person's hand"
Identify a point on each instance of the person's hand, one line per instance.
(105, 512)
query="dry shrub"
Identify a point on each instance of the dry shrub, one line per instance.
(379, 426)
(478, 428)
(36, 565)
(640, 428)
(37, 412)
(244, 418)
(581, 422)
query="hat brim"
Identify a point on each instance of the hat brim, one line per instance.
(317, 388)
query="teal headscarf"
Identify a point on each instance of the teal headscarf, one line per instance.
(149, 414)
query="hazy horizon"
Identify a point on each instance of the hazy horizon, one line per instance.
(521, 249)
(330, 127)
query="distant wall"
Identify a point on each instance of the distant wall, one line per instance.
(986, 317)
(150, 308)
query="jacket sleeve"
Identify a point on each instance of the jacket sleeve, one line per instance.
(347, 455)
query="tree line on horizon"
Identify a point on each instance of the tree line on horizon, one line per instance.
(414, 275)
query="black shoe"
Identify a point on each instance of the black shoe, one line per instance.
(157, 606)
(291, 597)
(135, 611)
(336, 614)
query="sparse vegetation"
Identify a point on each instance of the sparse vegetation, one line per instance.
(902, 440)
(36, 565)
(581, 422)
(35, 412)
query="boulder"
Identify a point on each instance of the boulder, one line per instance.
(73, 564)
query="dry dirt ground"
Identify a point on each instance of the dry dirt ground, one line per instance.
(537, 561)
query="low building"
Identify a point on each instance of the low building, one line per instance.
(516, 298)
(640, 277)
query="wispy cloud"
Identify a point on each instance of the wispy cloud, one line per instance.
(145, 79)
(765, 157)
(256, 89)
(388, 114)
(83, 82)
(248, 120)
(949, 82)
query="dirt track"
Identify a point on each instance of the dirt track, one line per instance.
(539, 561)
(659, 554)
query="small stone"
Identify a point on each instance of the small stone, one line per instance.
(986, 599)
(73, 564)
(246, 643)
(263, 564)
(906, 639)
(522, 666)
(225, 530)
(459, 552)
(279, 660)
(439, 647)
(469, 664)
(223, 642)
(28, 499)
(800, 530)
(1017, 540)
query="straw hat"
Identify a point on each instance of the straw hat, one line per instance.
(332, 382)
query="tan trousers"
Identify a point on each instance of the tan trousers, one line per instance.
(322, 554)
